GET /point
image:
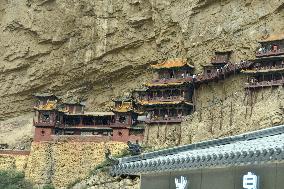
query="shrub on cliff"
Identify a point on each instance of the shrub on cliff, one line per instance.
(12, 179)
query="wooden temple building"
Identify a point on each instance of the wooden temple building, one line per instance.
(126, 126)
(46, 117)
(267, 69)
(55, 117)
(169, 97)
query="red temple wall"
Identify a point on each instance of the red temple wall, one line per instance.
(43, 134)
(122, 135)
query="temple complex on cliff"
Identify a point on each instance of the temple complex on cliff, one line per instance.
(169, 97)
(56, 117)
(267, 69)
(164, 100)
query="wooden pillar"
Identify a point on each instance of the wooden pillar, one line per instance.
(38, 117)
(129, 119)
(81, 121)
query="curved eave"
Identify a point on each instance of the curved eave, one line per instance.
(154, 103)
(275, 37)
(165, 84)
(45, 109)
(264, 146)
(171, 67)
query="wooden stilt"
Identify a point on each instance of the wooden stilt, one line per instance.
(221, 119)
(231, 114)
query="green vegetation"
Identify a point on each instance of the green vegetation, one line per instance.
(12, 179)
(48, 186)
(70, 186)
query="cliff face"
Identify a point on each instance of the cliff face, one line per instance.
(223, 109)
(100, 49)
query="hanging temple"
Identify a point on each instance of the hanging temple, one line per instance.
(164, 100)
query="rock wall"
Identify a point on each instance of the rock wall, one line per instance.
(223, 108)
(18, 162)
(100, 49)
(63, 163)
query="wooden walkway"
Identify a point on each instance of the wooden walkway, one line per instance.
(227, 70)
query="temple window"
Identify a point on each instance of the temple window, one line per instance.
(45, 117)
(122, 119)
(42, 132)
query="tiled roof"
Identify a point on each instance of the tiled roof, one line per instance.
(175, 63)
(274, 37)
(50, 105)
(151, 103)
(266, 145)
(125, 107)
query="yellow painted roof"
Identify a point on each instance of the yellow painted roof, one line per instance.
(50, 105)
(163, 84)
(125, 107)
(175, 63)
(274, 37)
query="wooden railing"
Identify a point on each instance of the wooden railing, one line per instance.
(267, 67)
(269, 53)
(172, 80)
(165, 99)
(44, 124)
(265, 84)
(164, 120)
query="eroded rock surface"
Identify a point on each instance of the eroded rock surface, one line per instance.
(100, 49)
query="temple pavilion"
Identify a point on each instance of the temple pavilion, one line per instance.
(46, 115)
(76, 121)
(267, 69)
(169, 97)
(126, 125)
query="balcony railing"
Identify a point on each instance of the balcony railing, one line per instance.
(165, 99)
(265, 84)
(264, 53)
(43, 124)
(262, 68)
(172, 80)
(164, 120)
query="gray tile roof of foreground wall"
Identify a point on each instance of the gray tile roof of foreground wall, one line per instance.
(265, 145)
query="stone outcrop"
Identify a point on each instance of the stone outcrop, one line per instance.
(63, 163)
(101, 179)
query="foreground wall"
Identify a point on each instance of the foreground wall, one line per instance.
(62, 163)
(13, 160)
(270, 177)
